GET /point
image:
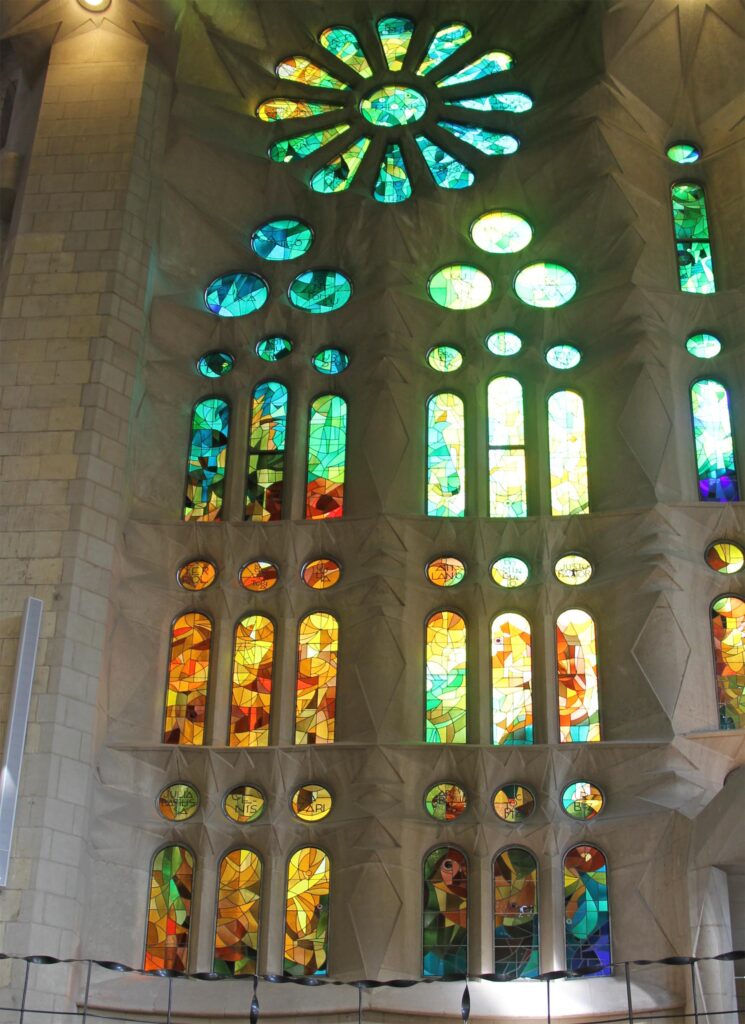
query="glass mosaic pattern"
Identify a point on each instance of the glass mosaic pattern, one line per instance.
(259, 575)
(582, 800)
(513, 803)
(446, 456)
(577, 667)
(284, 109)
(197, 575)
(315, 705)
(445, 945)
(695, 268)
(244, 804)
(491, 63)
(508, 495)
(445, 358)
(271, 350)
(208, 452)
(512, 699)
(236, 295)
(321, 573)
(393, 185)
(338, 174)
(446, 571)
(446, 41)
(715, 453)
(728, 634)
(445, 801)
(510, 572)
(298, 147)
(545, 285)
(703, 346)
(516, 948)
(683, 153)
(395, 36)
(445, 678)
(393, 106)
(238, 914)
(169, 910)
(586, 910)
(327, 452)
(266, 452)
(311, 802)
(725, 556)
(563, 357)
(253, 664)
(300, 69)
(485, 141)
(215, 364)
(344, 44)
(567, 454)
(283, 239)
(307, 913)
(320, 291)
(500, 231)
(330, 361)
(446, 170)
(178, 802)
(572, 570)
(510, 102)
(503, 343)
(188, 676)
(459, 286)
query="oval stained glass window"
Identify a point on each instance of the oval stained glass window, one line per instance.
(683, 153)
(197, 575)
(321, 573)
(311, 802)
(703, 346)
(445, 358)
(510, 572)
(259, 575)
(500, 231)
(215, 364)
(393, 106)
(446, 571)
(572, 570)
(725, 556)
(320, 291)
(445, 801)
(545, 285)
(271, 350)
(236, 294)
(582, 801)
(330, 361)
(459, 286)
(285, 239)
(178, 802)
(563, 357)
(244, 804)
(513, 803)
(503, 343)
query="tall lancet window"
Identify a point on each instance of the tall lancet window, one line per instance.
(327, 452)
(445, 946)
(266, 452)
(577, 669)
(586, 910)
(169, 910)
(188, 677)
(567, 454)
(253, 662)
(507, 478)
(446, 455)
(446, 678)
(208, 452)
(516, 950)
(712, 433)
(512, 699)
(695, 267)
(307, 913)
(728, 635)
(315, 704)
(238, 913)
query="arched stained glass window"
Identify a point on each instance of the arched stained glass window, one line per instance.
(307, 915)
(266, 452)
(712, 433)
(512, 700)
(446, 678)
(516, 950)
(446, 455)
(238, 913)
(586, 910)
(253, 660)
(327, 450)
(695, 268)
(577, 667)
(188, 676)
(208, 451)
(315, 707)
(445, 948)
(169, 910)
(728, 634)
(567, 454)
(507, 486)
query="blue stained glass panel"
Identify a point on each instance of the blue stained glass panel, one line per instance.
(320, 291)
(236, 294)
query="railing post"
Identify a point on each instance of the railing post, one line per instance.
(87, 991)
(627, 972)
(23, 994)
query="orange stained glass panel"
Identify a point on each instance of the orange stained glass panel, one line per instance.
(188, 675)
(169, 910)
(238, 913)
(315, 711)
(253, 661)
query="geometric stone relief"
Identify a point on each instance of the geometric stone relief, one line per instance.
(661, 651)
(645, 425)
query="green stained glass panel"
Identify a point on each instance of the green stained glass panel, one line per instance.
(459, 286)
(393, 185)
(446, 463)
(445, 358)
(281, 108)
(503, 343)
(712, 429)
(273, 349)
(236, 294)
(507, 480)
(327, 445)
(215, 364)
(208, 451)
(444, 43)
(320, 291)
(563, 357)
(345, 45)
(446, 678)
(299, 146)
(683, 153)
(395, 35)
(695, 267)
(510, 102)
(338, 174)
(284, 239)
(330, 361)
(488, 143)
(491, 63)
(393, 106)
(704, 346)
(267, 439)
(545, 285)
(500, 231)
(516, 942)
(443, 166)
(300, 69)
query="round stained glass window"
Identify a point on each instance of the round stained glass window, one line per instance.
(563, 357)
(197, 575)
(683, 153)
(393, 106)
(514, 803)
(445, 801)
(459, 286)
(244, 804)
(510, 572)
(285, 239)
(271, 350)
(330, 361)
(311, 802)
(545, 285)
(582, 800)
(573, 570)
(500, 231)
(724, 556)
(236, 294)
(178, 802)
(503, 343)
(446, 571)
(320, 291)
(321, 573)
(259, 575)
(703, 346)
(215, 364)
(445, 358)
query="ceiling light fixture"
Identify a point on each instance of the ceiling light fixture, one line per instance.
(96, 6)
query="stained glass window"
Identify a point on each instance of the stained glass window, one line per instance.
(253, 661)
(208, 452)
(446, 456)
(236, 295)
(445, 947)
(393, 185)
(330, 361)
(215, 364)
(446, 571)
(320, 291)
(491, 63)
(577, 665)
(321, 573)
(572, 570)
(238, 913)
(728, 633)
(567, 454)
(512, 700)
(197, 575)
(446, 678)
(704, 345)
(582, 800)
(443, 166)
(586, 910)
(188, 676)
(509, 572)
(178, 802)
(315, 707)
(500, 231)
(393, 106)
(545, 285)
(712, 431)
(725, 556)
(444, 43)
(307, 914)
(683, 153)
(344, 44)
(300, 69)
(337, 175)
(327, 449)
(283, 239)
(445, 801)
(259, 575)
(516, 948)
(503, 343)
(563, 357)
(311, 802)
(395, 35)
(169, 910)
(266, 452)
(510, 102)
(459, 286)
(445, 358)
(508, 495)
(298, 147)
(487, 142)
(244, 804)
(513, 803)
(283, 109)
(271, 350)
(695, 269)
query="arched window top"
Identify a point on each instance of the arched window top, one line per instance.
(315, 705)
(169, 909)
(714, 444)
(188, 678)
(516, 943)
(728, 636)
(327, 449)
(446, 456)
(446, 670)
(586, 909)
(253, 665)
(512, 701)
(238, 912)
(445, 945)
(307, 913)
(208, 449)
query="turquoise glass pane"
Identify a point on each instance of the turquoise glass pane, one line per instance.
(236, 294)
(703, 346)
(587, 912)
(345, 45)
(320, 291)
(395, 35)
(327, 447)
(489, 143)
(444, 168)
(545, 285)
(208, 450)
(503, 343)
(273, 349)
(393, 185)
(510, 102)
(446, 463)
(695, 268)
(299, 146)
(683, 153)
(445, 42)
(282, 239)
(338, 174)
(393, 106)
(563, 357)
(330, 361)
(215, 364)
(488, 64)
(459, 286)
(715, 455)
(266, 445)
